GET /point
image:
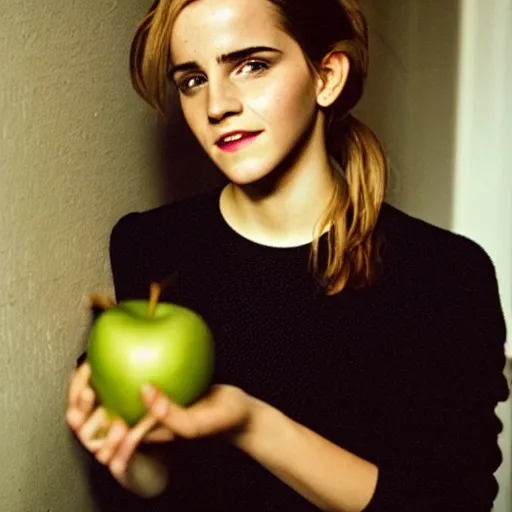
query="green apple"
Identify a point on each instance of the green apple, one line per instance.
(137, 342)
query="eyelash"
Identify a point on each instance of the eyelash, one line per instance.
(182, 84)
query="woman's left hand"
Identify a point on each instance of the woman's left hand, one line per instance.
(224, 410)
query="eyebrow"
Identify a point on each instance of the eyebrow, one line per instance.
(223, 59)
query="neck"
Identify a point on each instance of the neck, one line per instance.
(283, 211)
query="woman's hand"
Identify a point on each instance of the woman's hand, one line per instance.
(224, 410)
(104, 436)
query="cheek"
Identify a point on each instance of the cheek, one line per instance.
(191, 114)
(188, 113)
(287, 101)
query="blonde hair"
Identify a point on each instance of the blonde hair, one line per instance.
(354, 246)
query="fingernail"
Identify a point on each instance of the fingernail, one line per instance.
(160, 407)
(117, 427)
(148, 393)
(118, 467)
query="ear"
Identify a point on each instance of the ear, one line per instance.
(333, 77)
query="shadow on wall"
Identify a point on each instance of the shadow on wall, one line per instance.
(411, 100)
(187, 170)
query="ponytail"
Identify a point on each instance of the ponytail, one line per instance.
(353, 257)
(353, 247)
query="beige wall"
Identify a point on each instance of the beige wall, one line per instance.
(438, 97)
(75, 154)
(76, 149)
(411, 99)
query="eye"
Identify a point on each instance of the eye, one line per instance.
(253, 67)
(189, 83)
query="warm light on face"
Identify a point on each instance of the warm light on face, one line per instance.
(222, 15)
(238, 71)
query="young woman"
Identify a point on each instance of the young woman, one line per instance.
(359, 351)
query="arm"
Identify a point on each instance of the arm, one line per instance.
(438, 427)
(434, 420)
(328, 476)
(146, 475)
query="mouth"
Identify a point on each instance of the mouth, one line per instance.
(235, 141)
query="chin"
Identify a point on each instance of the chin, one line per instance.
(263, 171)
(247, 175)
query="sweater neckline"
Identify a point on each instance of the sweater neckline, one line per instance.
(246, 244)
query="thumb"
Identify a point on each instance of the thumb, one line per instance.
(179, 420)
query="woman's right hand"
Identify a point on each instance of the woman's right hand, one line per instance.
(111, 441)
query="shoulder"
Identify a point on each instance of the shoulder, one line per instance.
(183, 213)
(165, 224)
(447, 293)
(419, 247)
(148, 246)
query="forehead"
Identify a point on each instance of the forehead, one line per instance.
(213, 27)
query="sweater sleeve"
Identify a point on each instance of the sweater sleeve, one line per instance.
(131, 276)
(440, 430)
(127, 260)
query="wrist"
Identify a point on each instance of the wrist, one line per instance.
(146, 475)
(262, 419)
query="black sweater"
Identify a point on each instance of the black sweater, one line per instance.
(405, 374)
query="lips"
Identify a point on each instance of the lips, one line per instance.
(233, 141)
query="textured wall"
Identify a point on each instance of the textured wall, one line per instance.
(75, 154)
(411, 99)
(438, 96)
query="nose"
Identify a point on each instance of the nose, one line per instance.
(223, 101)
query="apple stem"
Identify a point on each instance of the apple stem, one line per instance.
(155, 291)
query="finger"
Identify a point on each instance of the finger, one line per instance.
(77, 415)
(129, 444)
(177, 419)
(158, 435)
(221, 409)
(115, 436)
(96, 424)
(79, 380)
(87, 400)
(75, 418)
